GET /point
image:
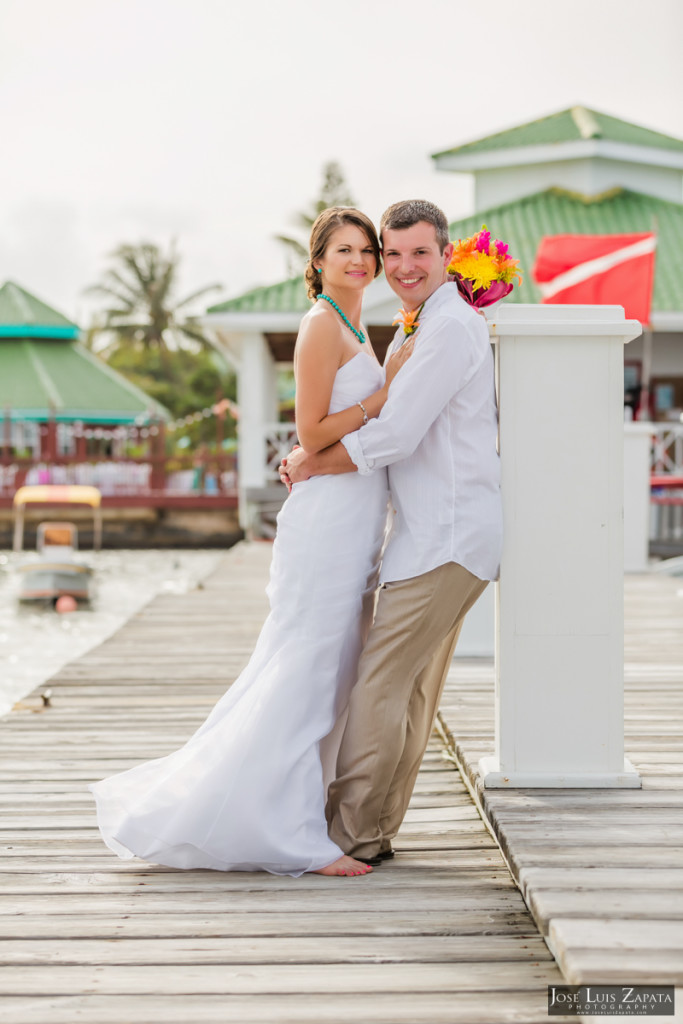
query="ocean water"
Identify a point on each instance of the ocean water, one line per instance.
(35, 642)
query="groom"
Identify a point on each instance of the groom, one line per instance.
(437, 436)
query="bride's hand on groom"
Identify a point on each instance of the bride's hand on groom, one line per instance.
(291, 468)
(398, 359)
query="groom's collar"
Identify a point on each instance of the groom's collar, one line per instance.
(436, 298)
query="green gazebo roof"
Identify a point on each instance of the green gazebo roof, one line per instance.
(286, 297)
(572, 125)
(522, 223)
(45, 372)
(22, 315)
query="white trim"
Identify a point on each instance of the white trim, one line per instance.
(667, 321)
(591, 268)
(561, 321)
(494, 778)
(550, 153)
(261, 323)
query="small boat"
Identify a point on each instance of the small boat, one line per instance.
(56, 573)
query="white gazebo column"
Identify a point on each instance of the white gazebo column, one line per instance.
(258, 402)
(559, 664)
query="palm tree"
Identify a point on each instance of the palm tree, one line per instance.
(334, 192)
(142, 312)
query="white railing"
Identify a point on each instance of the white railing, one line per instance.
(278, 439)
(108, 476)
(667, 449)
(666, 501)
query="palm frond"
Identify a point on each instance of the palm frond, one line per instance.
(195, 333)
(200, 293)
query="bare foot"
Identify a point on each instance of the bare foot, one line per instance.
(345, 866)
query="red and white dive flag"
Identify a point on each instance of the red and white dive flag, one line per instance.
(600, 270)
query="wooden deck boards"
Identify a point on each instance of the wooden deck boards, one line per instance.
(441, 935)
(602, 870)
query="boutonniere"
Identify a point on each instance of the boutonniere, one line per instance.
(409, 320)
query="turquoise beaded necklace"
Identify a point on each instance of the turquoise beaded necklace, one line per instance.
(359, 334)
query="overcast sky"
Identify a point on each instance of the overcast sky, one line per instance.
(210, 120)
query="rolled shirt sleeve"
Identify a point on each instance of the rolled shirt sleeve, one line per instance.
(352, 444)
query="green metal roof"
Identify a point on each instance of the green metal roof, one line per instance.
(575, 124)
(286, 297)
(40, 377)
(22, 315)
(523, 223)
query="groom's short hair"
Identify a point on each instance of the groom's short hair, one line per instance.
(412, 211)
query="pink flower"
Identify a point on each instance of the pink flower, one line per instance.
(501, 247)
(484, 241)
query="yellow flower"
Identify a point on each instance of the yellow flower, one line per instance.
(476, 267)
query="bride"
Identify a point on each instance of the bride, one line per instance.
(247, 791)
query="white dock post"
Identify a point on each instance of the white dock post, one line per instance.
(559, 633)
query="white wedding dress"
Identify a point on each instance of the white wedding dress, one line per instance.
(247, 791)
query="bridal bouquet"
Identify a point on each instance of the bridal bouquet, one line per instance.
(483, 269)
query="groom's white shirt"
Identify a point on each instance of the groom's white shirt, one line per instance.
(437, 435)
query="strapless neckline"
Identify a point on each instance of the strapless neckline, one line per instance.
(372, 359)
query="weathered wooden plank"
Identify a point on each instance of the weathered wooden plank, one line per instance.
(610, 967)
(597, 857)
(636, 904)
(484, 920)
(641, 878)
(97, 858)
(616, 933)
(385, 878)
(139, 901)
(185, 979)
(647, 949)
(70, 820)
(299, 949)
(506, 1007)
(568, 833)
(426, 840)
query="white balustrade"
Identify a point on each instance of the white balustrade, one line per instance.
(278, 439)
(667, 448)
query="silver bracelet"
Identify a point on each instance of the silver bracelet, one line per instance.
(365, 415)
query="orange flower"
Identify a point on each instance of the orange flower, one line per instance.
(408, 318)
(462, 247)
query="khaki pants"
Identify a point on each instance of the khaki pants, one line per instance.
(393, 705)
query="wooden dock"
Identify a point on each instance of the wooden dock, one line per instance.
(440, 935)
(601, 870)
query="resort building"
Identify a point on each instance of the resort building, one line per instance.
(66, 417)
(57, 397)
(574, 172)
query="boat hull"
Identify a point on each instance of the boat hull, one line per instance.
(41, 582)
